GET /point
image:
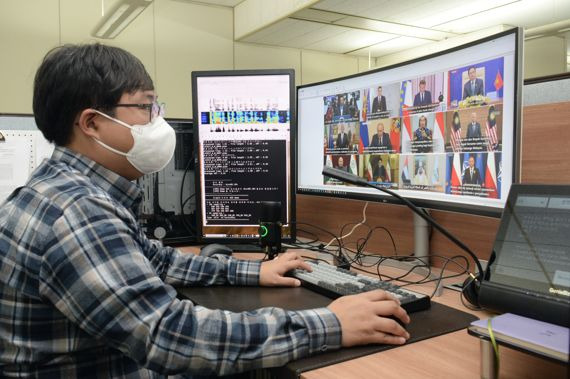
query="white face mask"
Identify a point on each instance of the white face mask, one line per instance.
(153, 147)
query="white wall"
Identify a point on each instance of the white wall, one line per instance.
(171, 37)
(28, 29)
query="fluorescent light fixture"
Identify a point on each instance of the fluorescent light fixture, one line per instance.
(124, 12)
(111, 20)
(127, 21)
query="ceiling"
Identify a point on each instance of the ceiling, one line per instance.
(382, 27)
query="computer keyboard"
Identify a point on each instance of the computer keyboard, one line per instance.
(335, 282)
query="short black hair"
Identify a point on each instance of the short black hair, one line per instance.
(471, 67)
(72, 78)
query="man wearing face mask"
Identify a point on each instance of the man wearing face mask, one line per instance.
(83, 292)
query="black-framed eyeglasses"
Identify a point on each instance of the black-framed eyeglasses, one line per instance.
(155, 108)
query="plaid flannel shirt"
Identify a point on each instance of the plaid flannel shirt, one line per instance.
(83, 292)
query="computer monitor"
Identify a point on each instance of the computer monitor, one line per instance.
(244, 142)
(441, 130)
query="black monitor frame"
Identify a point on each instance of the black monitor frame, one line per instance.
(434, 204)
(292, 150)
(520, 295)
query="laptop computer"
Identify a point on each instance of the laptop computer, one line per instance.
(529, 269)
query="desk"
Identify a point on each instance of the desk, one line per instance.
(453, 355)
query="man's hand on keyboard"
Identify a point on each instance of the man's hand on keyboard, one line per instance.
(272, 272)
(364, 319)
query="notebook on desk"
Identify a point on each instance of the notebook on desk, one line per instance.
(527, 334)
(529, 270)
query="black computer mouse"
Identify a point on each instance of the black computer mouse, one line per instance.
(215, 248)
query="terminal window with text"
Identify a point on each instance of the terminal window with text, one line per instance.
(244, 150)
(440, 130)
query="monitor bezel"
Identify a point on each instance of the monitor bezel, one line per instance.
(480, 210)
(512, 297)
(292, 149)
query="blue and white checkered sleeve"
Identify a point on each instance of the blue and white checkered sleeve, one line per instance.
(186, 269)
(95, 274)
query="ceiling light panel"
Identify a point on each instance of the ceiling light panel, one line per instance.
(394, 29)
(419, 13)
(528, 13)
(325, 32)
(349, 41)
(265, 34)
(459, 13)
(361, 7)
(318, 15)
(391, 46)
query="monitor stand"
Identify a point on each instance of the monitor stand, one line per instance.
(421, 251)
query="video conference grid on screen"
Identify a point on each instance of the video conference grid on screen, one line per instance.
(244, 149)
(439, 129)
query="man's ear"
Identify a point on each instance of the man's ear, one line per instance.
(85, 122)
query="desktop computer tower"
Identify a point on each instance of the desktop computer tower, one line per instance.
(168, 207)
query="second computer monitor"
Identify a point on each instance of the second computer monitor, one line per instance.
(441, 130)
(244, 144)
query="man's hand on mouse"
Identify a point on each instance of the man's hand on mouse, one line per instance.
(273, 272)
(367, 318)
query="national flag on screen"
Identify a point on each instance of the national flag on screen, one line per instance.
(353, 168)
(331, 138)
(405, 173)
(438, 132)
(491, 177)
(365, 105)
(369, 172)
(406, 133)
(456, 175)
(363, 137)
(388, 173)
(491, 126)
(455, 133)
(498, 81)
(406, 99)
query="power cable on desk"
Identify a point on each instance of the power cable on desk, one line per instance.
(314, 248)
(315, 238)
(342, 260)
(360, 246)
(363, 222)
(423, 264)
(359, 255)
(472, 285)
(441, 277)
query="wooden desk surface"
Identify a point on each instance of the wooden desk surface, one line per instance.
(453, 355)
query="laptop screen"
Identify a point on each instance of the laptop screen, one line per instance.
(532, 248)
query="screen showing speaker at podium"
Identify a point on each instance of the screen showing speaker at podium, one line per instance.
(440, 130)
(244, 150)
